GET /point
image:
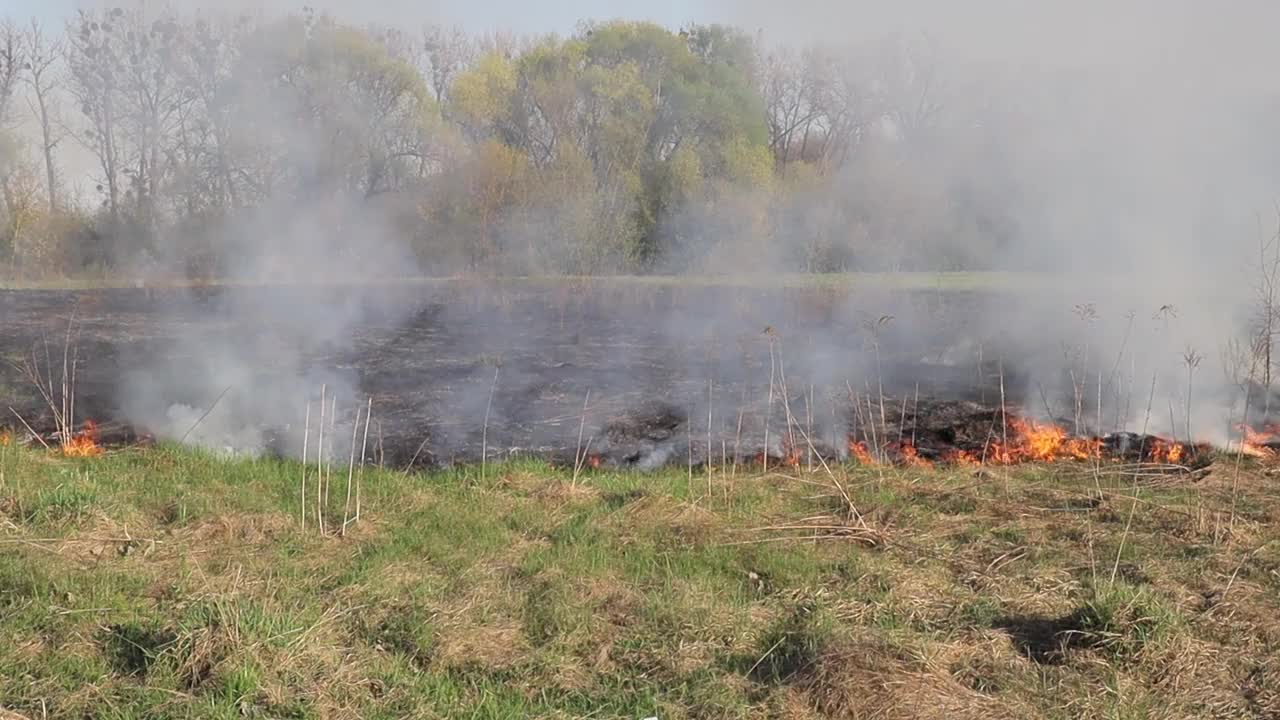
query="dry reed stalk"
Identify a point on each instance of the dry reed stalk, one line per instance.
(1098, 429)
(1097, 456)
(902, 420)
(710, 408)
(34, 434)
(320, 461)
(1133, 383)
(786, 400)
(737, 445)
(986, 444)
(1116, 377)
(75, 364)
(61, 404)
(875, 435)
(484, 433)
(1075, 389)
(915, 415)
(68, 403)
(688, 429)
(1004, 417)
(768, 408)
(1133, 507)
(1044, 400)
(206, 414)
(1244, 423)
(382, 454)
(844, 493)
(1192, 360)
(579, 455)
(416, 453)
(875, 342)
(857, 409)
(328, 463)
(982, 381)
(364, 445)
(808, 414)
(351, 474)
(306, 439)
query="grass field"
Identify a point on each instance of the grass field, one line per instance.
(167, 583)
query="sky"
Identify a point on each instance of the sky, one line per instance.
(487, 15)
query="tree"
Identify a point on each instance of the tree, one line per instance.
(12, 62)
(482, 98)
(213, 158)
(42, 81)
(343, 114)
(446, 53)
(95, 62)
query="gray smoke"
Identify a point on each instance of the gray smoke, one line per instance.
(1124, 151)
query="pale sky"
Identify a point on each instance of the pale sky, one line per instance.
(525, 16)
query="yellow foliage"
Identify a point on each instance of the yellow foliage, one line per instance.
(748, 164)
(685, 172)
(483, 95)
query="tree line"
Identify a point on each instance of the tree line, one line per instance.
(134, 141)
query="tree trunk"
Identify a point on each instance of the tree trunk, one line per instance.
(47, 145)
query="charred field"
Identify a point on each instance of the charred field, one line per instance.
(876, 535)
(630, 375)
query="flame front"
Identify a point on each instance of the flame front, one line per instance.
(1032, 442)
(83, 443)
(1165, 451)
(1258, 442)
(960, 457)
(861, 453)
(911, 457)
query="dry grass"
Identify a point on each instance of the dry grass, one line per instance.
(165, 583)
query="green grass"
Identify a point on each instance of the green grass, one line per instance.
(170, 583)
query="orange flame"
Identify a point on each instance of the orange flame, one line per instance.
(861, 453)
(1165, 451)
(1031, 442)
(1257, 442)
(790, 454)
(960, 457)
(84, 443)
(911, 458)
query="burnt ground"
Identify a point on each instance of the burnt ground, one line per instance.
(657, 359)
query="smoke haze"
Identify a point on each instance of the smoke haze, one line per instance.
(1125, 149)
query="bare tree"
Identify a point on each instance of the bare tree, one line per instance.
(11, 62)
(913, 88)
(208, 135)
(446, 53)
(788, 94)
(94, 64)
(42, 81)
(1267, 290)
(154, 97)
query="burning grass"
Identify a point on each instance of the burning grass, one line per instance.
(1018, 440)
(165, 582)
